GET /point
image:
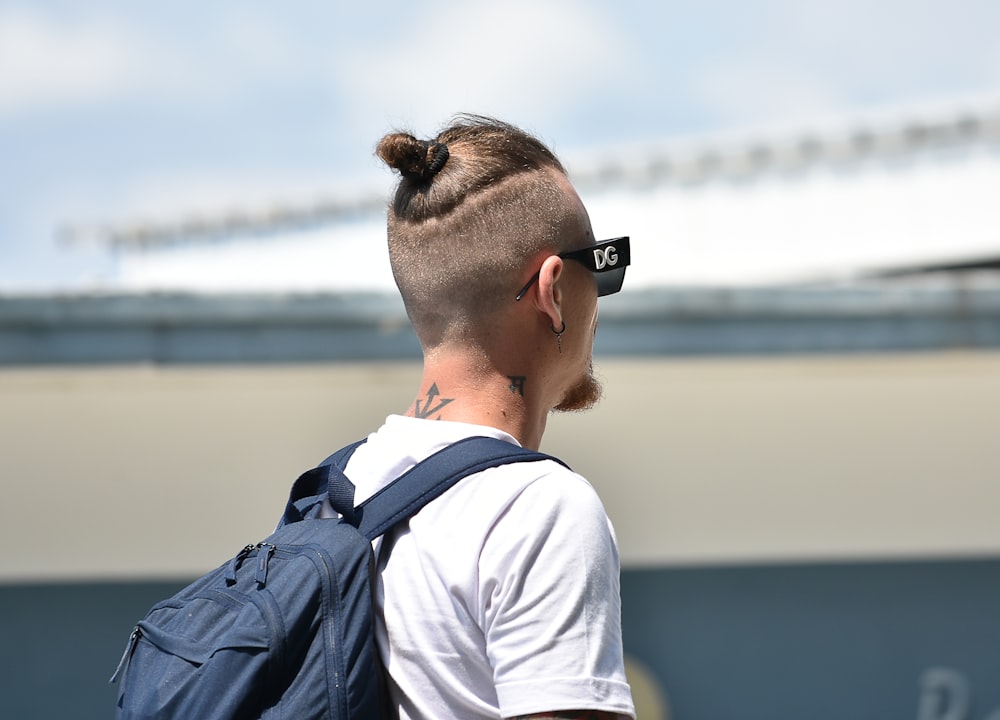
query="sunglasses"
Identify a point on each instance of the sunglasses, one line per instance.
(607, 260)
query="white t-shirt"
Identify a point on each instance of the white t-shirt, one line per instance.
(500, 598)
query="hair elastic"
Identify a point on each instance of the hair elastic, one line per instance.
(440, 157)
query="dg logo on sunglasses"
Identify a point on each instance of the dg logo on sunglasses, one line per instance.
(605, 256)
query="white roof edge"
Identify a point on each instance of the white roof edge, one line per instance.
(723, 156)
(746, 153)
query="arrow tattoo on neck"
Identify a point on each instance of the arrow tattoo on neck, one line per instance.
(429, 408)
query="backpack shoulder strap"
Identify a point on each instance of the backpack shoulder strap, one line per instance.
(427, 480)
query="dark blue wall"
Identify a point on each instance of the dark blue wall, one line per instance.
(820, 642)
(796, 642)
(59, 645)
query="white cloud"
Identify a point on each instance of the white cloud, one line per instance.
(897, 45)
(45, 63)
(813, 59)
(518, 60)
(51, 61)
(756, 92)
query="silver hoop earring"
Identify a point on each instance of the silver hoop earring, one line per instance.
(558, 334)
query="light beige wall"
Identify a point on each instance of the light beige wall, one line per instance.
(154, 472)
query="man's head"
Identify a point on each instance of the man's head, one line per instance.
(473, 206)
(485, 209)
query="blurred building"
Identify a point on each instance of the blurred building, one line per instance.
(797, 447)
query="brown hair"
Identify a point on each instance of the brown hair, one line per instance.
(472, 206)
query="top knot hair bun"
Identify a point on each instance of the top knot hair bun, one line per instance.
(415, 159)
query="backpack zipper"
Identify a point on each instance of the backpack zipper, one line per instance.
(263, 558)
(234, 564)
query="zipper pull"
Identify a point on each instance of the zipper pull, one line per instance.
(234, 564)
(263, 557)
(127, 655)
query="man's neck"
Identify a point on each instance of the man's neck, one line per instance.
(460, 388)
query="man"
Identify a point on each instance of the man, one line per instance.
(501, 598)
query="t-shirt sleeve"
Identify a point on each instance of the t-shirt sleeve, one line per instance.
(549, 591)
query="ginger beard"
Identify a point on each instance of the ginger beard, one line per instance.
(583, 395)
(586, 392)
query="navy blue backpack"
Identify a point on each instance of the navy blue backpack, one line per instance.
(285, 630)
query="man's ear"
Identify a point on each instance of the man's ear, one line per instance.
(549, 298)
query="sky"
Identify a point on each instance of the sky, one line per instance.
(112, 112)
